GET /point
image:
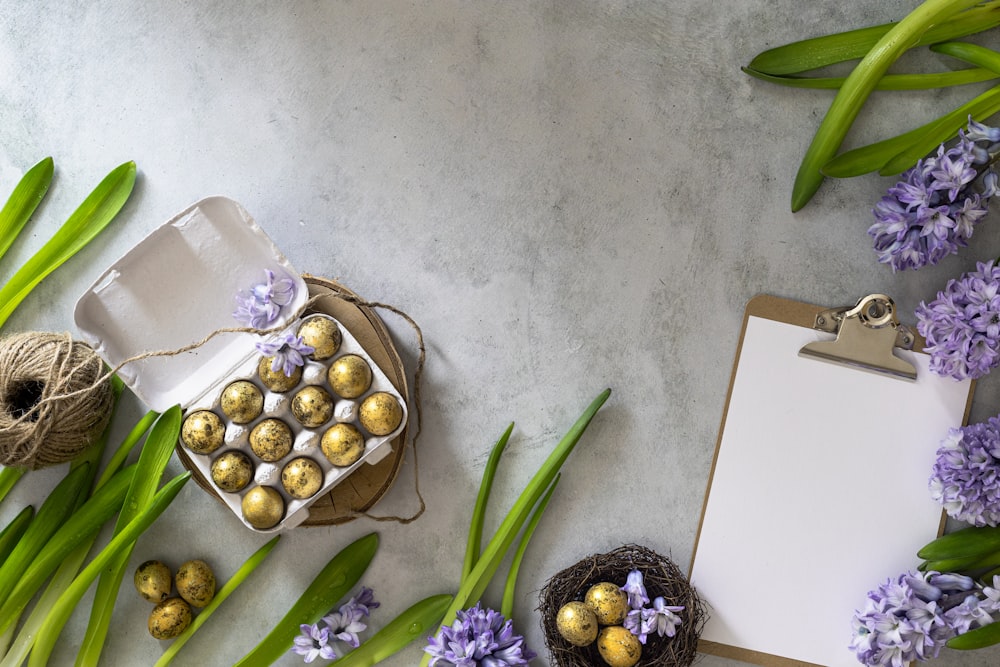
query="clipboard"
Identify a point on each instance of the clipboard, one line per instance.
(818, 490)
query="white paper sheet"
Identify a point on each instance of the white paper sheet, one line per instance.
(819, 493)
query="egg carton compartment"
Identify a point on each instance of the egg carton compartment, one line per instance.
(270, 448)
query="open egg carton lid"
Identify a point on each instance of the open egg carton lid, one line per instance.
(173, 289)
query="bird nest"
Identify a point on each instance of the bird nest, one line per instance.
(661, 577)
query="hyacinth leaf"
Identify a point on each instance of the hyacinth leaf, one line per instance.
(152, 462)
(988, 635)
(27, 195)
(897, 154)
(50, 516)
(968, 566)
(970, 53)
(809, 54)
(81, 525)
(220, 596)
(474, 543)
(335, 579)
(12, 532)
(860, 83)
(417, 622)
(507, 603)
(965, 543)
(471, 589)
(60, 612)
(918, 81)
(93, 215)
(8, 478)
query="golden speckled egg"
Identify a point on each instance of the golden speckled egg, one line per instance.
(203, 432)
(301, 477)
(321, 334)
(349, 376)
(196, 583)
(242, 401)
(276, 380)
(609, 602)
(271, 439)
(169, 618)
(153, 581)
(380, 413)
(618, 647)
(312, 406)
(232, 471)
(263, 507)
(342, 444)
(577, 624)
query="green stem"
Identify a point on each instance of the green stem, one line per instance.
(919, 81)
(474, 544)
(507, 605)
(858, 86)
(12, 532)
(220, 596)
(8, 478)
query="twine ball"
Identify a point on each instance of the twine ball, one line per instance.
(54, 399)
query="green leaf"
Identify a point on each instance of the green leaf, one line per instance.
(152, 462)
(60, 612)
(332, 583)
(809, 54)
(971, 542)
(220, 596)
(417, 622)
(474, 544)
(988, 635)
(859, 84)
(473, 586)
(8, 478)
(899, 153)
(507, 605)
(13, 531)
(93, 215)
(23, 201)
(920, 81)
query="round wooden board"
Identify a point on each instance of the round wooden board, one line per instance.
(363, 488)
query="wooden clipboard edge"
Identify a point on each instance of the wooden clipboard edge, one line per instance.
(803, 315)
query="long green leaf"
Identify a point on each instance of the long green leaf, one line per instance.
(473, 586)
(918, 81)
(152, 462)
(896, 154)
(220, 596)
(988, 635)
(859, 84)
(817, 52)
(60, 612)
(507, 604)
(27, 195)
(93, 215)
(415, 623)
(12, 532)
(473, 545)
(51, 515)
(8, 478)
(78, 528)
(332, 583)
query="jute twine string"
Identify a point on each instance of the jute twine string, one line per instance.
(54, 400)
(58, 425)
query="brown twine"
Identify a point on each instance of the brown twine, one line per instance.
(86, 390)
(54, 400)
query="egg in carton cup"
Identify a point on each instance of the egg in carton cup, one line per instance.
(270, 436)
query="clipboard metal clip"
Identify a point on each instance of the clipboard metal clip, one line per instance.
(866, 336)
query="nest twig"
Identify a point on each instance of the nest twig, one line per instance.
(662, 578)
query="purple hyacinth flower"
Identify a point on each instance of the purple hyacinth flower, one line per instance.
(636, 590)
(966, 474)
(478, 638)
(312, 642)
(288, 352)
(261, 305)
(664, 618)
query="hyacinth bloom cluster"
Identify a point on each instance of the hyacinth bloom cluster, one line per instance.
(962, 325)
(478, 638)
(966, 476)
(287, 353)
(318, 640)
(641, 620)
(260, 306)
(911, 617)
(932, 211)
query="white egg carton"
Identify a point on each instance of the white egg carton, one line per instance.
(177, 286)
